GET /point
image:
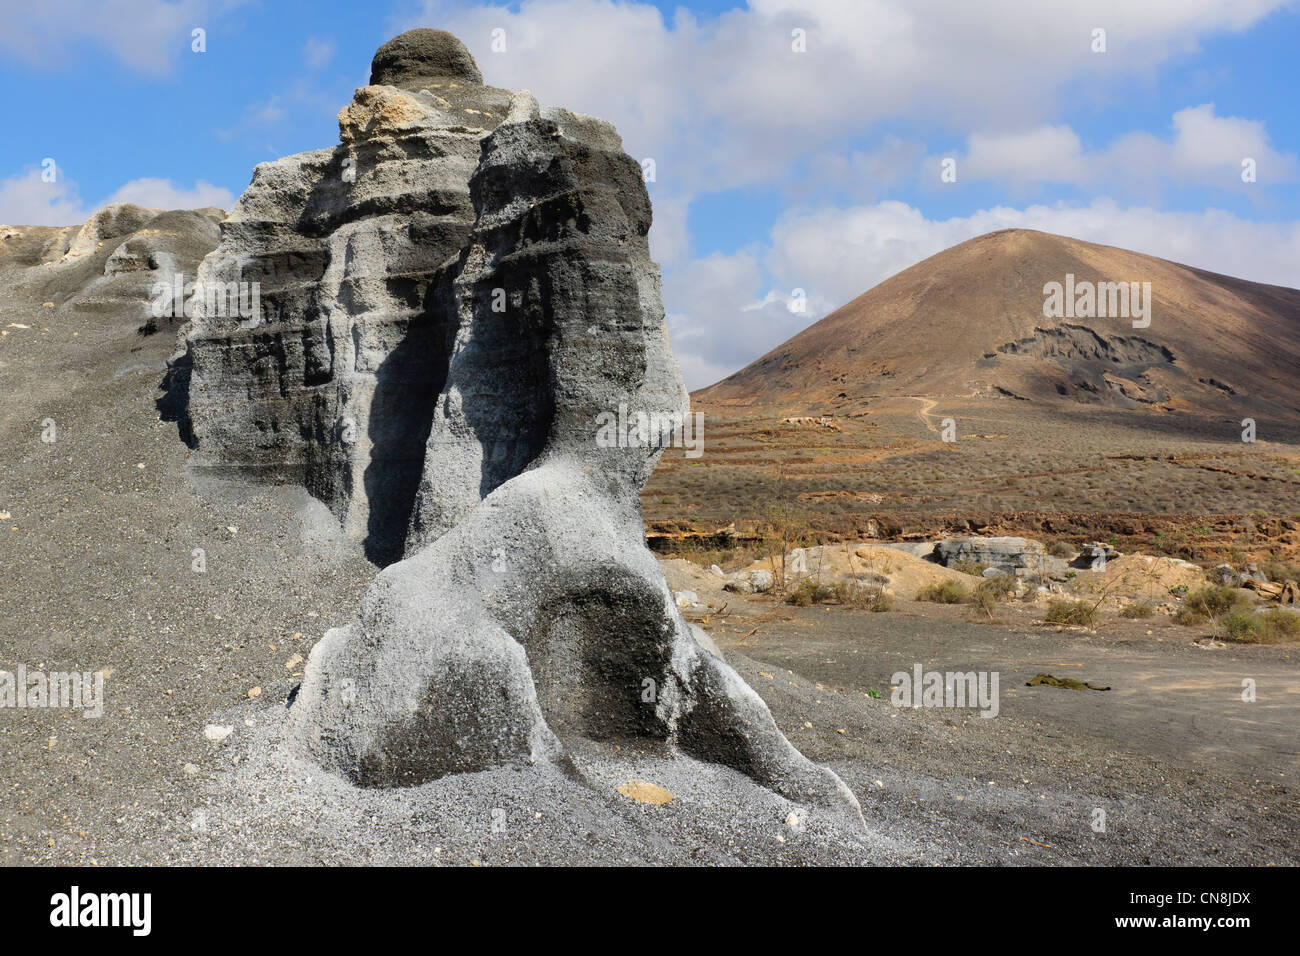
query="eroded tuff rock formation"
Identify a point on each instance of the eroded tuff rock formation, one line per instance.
(450, 299)
(111, 263)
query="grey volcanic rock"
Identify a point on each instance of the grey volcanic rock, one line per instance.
(419, 57)
(1004, 553)
(332, 384)
(112, 262)
(442, 340)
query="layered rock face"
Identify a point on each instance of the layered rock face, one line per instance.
(468, 307)
(332, 383)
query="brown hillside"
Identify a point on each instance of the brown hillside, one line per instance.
(969, 322)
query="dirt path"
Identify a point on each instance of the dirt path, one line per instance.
(927, 405)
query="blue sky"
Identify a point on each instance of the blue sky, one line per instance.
(777, 168)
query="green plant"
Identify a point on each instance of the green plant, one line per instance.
(1209, 604)
(946, 592)
(967, 566)
(1071, 612)
(1285, 624)
(1252, 627)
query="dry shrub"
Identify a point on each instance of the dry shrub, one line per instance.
(1210, 604)
(1071, 612)
(868, 597)
(945, 592)
(1138, 609)
(1273, 626)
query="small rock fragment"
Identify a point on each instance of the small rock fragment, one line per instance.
(643, 791)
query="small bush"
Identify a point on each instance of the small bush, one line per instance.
(1279, 571)
(1138, 609)
(1285, 624)
(1246, 626)
(809, 592)
(947, 592)
(1061, 549)
(990, 593)
(1251, 627)
(1210, 604)
(869, 597)
(967, 566)
(1071, 612)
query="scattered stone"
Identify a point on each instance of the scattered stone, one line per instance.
(1004, 553)
(217, 733)
(1094, 556)
(1251, 576)
(1225, 575)
(919, 549)
(686, 599)
(644, 792)
(750, 582)
(1264, 588)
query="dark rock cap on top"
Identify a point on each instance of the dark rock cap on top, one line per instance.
(416, 57)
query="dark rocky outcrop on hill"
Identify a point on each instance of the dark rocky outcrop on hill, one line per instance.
(450, 301)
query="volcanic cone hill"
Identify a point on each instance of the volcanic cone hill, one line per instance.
(970, 321)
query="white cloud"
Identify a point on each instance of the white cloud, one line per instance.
(721, 314)
(163, 194)
(317, 52)
(724, 102)
(669, 237)
(145, 35)
(27, 201)
(1043, 154)
(1205, 150)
